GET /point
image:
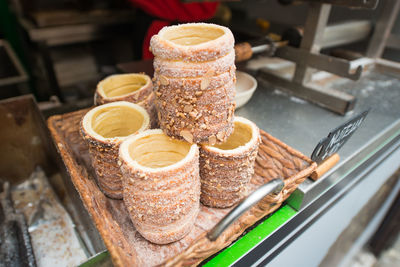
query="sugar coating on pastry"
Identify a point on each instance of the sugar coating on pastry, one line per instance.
(183, 69)
(195, 83)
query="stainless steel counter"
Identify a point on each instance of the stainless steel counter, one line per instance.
(301, 125)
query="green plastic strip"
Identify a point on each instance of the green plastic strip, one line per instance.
(252, 238)
(101, 259)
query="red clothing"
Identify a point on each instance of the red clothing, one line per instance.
(169, 11)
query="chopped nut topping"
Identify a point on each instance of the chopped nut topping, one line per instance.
(212, 140)
(187, 136)
(164, 80)
(198, 93)
(188, 108)
(193, 114)
(210, 72)
(220, 136)
(205, 81)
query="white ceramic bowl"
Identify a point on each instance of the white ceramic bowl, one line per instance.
(245, 87)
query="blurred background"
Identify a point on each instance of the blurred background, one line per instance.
(59, 50)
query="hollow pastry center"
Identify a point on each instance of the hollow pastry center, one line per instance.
(242, 134)
(122, 85)
(158, 150)
(192, 35)
(114, 121)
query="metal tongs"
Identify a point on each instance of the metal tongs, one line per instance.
(273, 186)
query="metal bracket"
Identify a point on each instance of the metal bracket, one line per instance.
(307, 57)
(330, 64)
(333, 100)
(382, 33)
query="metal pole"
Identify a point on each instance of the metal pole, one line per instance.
(317, 19)
(383, 28)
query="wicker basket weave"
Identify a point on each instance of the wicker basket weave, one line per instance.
(126, 246)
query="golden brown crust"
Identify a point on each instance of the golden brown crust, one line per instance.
(237, 163)
(203, 127)
(105, 164)
(182, 97)
(203, 113)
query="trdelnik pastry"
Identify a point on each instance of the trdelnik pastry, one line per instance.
(194, 81)
(104, 128)
(226, 169)
(161, 185)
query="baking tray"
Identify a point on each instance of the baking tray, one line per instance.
(126, 246)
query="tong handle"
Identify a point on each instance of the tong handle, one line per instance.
(273, 186)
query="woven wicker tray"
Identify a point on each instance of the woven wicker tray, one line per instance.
(125, 244)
